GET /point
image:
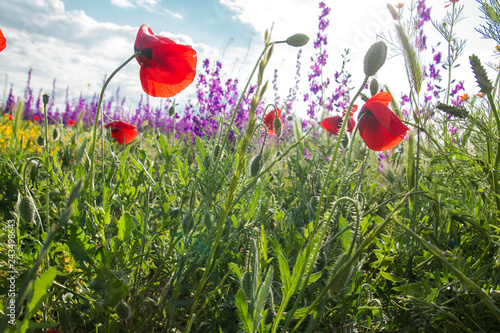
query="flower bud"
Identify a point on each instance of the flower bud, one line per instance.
(289, 117)
(123, 310)
(256, 165)
(341, 279)
(297, 40)
(171, 110)
(55, 134)
(27, 209)
(45, 99)
(374, 87)
(278, 127)
(40, 140)
(375, 58)
(187, 223)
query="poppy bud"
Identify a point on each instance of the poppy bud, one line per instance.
(247, 285)
(123, 310)
(313, 203)
(289, 117)
(217, 150)
(481, 75)
(40, 140)
(255, 165)
(27, 209)
(55, 134)
(187, 223)
(207, 220)
(341, 279)
(374, 87)
(278, 127)
(171, 110)
(375, 58)
(45, 99)
(297, 40)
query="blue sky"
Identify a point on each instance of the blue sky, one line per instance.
(79, 42)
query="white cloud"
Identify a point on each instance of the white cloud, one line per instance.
(150, 5)
(123, 3)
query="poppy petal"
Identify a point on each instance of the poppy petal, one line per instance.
(123, 132)
(167, 68)
(3, 41)
(380, 128)
(387, 119)
(332, 124)
(382, 97)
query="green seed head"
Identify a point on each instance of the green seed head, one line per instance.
(297, 40)
(123, 310)
(27, 209)
(375, 58)
(45, 99)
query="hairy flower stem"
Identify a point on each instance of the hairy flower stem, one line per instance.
(314, 246)
(94, 134)
(360, 251)
(335, 152)
(226, 136)
(496, 187)
(261, 63)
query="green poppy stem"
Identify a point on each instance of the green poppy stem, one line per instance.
(94, 134)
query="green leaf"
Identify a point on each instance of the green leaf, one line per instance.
(262, 295)
(40, 292)
(124, 226)
(408, 287)
(241, 304)
(392, 277)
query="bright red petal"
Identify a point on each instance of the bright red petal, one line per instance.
(382, 97)
(167, 68)
(332, 124)
(3, 41)
(351, 124)
(123, 132)
(380, 128)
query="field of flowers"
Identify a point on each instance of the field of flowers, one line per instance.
(236, 214)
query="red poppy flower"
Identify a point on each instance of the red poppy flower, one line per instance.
(36, 118)
(379, 127)
(333, 124)
(71, 122)
(167, 68)
(10, 117)
(269, 120)
(3, 41)
(123, 132)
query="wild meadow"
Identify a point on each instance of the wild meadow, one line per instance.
(367, 212)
